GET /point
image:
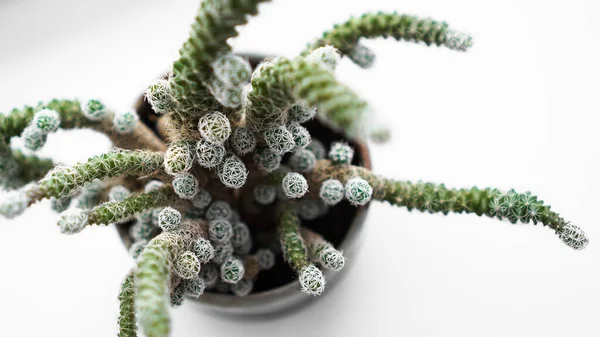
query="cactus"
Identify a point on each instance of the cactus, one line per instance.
(220, 230)
(303, 160)
(204, 250)
(118, 193)
(243, 141)
(279, 139)
(327, 55)
(214, 127)
(232, 270)
(169, 219)
(124, 122)
(322, 251)
(46, 121)
(187, 265)
(209, 155)
(127, 322)
(294, 185)
(185, 185)
(341, 153)
(331, 191)
(300, 135)
(195, 287)
(236, 148)
(233, 172)
(358, 191)
(219, 210)
(179, 158)
(240, 235)
(265, 259)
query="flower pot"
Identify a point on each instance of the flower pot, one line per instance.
(277, 289)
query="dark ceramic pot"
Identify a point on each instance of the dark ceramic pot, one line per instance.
(277, 290)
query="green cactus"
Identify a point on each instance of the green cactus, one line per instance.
(199, 189)
(345, 36)
(127, 322)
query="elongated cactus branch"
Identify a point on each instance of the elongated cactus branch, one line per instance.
(72, 117)
(64, 181)
(321, 251)
(127, 323)
(345, 36)
(436, 198)
(296, 254)
(152, 278)
(113, 211)
(214, 24)
(282, 82)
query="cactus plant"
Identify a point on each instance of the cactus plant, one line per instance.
(235, 145)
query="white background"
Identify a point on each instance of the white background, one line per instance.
(520, 110)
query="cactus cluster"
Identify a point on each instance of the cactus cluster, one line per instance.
(235, 147)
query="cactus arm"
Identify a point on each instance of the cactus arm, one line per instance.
(436, 198)
(321, 251)
(296, 254)
(13, 123)
(113, 211)
(345, 37)
(65, 181)
(283, 82)
(72, 117)
(214, 24)
(152, 278)
(127, 324)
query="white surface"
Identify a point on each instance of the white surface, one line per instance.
(519, 110)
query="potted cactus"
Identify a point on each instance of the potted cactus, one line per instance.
(235, 178)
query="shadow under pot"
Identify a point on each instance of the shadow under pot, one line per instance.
(277, 290)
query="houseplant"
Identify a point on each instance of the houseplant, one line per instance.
(426, 197)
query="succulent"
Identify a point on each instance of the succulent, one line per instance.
(185, 185)
(94, 110)
(125, 121)
(243, 141)
(332, 191)
(160, 97)
(241, 144)
(46, 120)
(303, 160)
(265, 258)
(33, 138)
(341, 153)
(264, 194)
(179, 158)
(209, 155)
(294, 185)
(219, 210)
(204, 250)
(220, 230)
(118, 193)
(169, 219)
(232, 270)
(358, 191)
(195, 286)
(187, 265)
